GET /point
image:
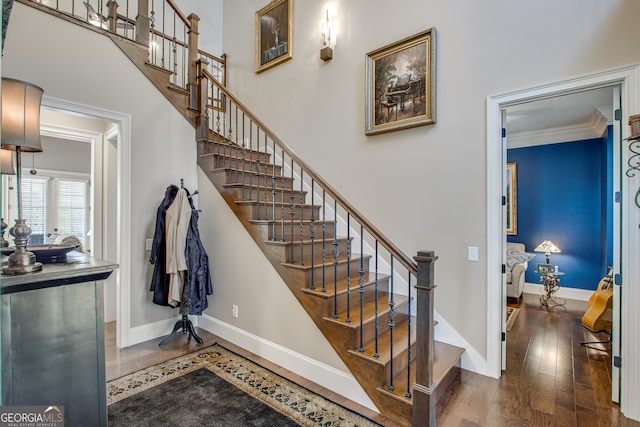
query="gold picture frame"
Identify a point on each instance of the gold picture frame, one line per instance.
(401, 84)
(512, 199)
(274, 34)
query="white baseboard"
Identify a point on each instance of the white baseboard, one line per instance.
(331, 378)
(471, 359)
(151, 331)
(568, 293)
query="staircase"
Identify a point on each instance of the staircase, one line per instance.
(373, 303)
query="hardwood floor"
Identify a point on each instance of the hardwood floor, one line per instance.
(551, 380)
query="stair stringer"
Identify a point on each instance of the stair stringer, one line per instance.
(159, 77)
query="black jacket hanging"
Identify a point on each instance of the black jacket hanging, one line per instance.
(159, 280)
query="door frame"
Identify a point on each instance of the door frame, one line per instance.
(628, 79)
(123, 189)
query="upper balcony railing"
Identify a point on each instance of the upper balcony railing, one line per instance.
(171, 36)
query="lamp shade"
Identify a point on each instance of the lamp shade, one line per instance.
(547, 247)
(21, 115)
(6, 163)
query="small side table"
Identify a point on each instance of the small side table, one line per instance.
(550, 284)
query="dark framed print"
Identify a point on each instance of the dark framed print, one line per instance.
(401, 84)
(512, 200)
(274, 34)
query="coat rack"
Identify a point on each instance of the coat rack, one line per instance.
(184, 324)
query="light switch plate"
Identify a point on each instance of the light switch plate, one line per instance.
(473, 253)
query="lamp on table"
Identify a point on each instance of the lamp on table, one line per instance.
(548, 247)
(20, 132)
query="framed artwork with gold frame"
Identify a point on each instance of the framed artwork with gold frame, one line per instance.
(512, 199)
(401, 84)
(274, 34)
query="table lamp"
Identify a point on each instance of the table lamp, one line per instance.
(547, 247)
(20, 132)
(6, 168)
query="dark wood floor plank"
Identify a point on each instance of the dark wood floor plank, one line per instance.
(551, 379)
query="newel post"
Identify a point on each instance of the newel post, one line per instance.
(142, 23)
(112, 7)
(424, 398)
(201, 90)
(193, 58)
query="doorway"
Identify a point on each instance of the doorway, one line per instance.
(625, 78)
(110, 178)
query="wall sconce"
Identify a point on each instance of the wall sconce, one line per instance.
(547, 247)
(328, 37)
(21, 132)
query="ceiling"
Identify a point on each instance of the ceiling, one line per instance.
(570, 117)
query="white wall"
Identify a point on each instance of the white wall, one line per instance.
(210, 27)
(425, 187)
(84, 67)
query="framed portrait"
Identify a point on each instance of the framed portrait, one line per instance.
(401, 84)
(544, 268)
(512, 199)
(274, 34)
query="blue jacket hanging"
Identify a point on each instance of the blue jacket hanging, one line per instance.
(198, 283)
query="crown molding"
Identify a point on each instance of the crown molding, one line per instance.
(593, 128)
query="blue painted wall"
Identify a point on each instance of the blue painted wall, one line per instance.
(564, 194)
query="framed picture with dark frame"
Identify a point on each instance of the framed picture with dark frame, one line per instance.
(512, 200)
(401, 84)
(274, 33)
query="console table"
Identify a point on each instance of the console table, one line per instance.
(52, 339)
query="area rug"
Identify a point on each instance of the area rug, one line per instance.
(512, 313)
(216, 387)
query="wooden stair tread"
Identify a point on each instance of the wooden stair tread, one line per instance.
(383, 350)
(446, 357)
(368, 313)
(342, 285)
(294, 242)
(327, 264)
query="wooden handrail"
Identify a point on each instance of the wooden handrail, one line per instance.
(179, 13)
(377, 234)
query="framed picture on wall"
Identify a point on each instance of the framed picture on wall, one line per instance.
(401, 84)
(274, 34)
(512, 200)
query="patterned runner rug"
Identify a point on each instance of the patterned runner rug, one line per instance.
(216, 387)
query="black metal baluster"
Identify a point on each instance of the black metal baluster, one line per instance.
(283, 198)
(324, 241)
(348, 319)
(251, 164)
(266, 186)
(273, 194)
(258, 169)
(392, 324)
(408, 392)
(301, 216)
(236, 146)
(292, 211)
(376, 354)
(335, 260)
(312, 236)
(361, 285)
(242, 151)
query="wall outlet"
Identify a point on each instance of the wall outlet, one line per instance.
(148, 244)
(235, 311)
